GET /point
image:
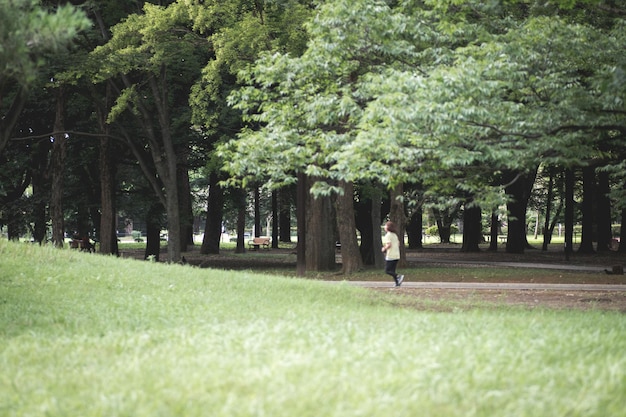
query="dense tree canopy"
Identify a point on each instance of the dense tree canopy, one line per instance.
(400, 94)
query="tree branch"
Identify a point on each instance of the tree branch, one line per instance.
(571, 128)
(69, 132)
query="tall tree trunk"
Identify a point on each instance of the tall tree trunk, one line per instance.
(240, 197)
(13, 222)
(547, 237)
(396, 215)
(184, 198)
(284, 214)
(494, 231)
(569, 213)
(301, 200)
(363, 209)
(350, 255)
(108, 220)
(320, 227)
(214, 217)
(587, 238)
(107, 167)
(58, 170)
(173, 215)
(377, 235)
(163, 152)
(368, 219)
(472, 228)
(153, 232)
(9, 119)
(622, 232)
(519, 189)
(257, 212)
(414, 229)
(41, 190)
(275, 219)
(444, 224)
(603, 213)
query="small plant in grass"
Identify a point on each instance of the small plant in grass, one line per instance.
(136, 234)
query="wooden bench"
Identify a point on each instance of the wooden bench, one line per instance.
(258, 242)
(83, 244)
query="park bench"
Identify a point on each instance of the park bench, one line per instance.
(258, 242)
(84, 245)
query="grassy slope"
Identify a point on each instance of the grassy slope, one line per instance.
(90, 335)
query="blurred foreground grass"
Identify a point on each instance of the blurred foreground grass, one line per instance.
(93, 335)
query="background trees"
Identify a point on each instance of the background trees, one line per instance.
(29, 33)
(399, 106)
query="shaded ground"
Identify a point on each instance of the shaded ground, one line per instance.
(445, 263)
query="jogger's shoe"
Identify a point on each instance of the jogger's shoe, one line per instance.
(400, 279)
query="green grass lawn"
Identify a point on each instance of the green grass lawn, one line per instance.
(89, 335)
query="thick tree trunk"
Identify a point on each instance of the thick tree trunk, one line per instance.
(414, 229)
(368, 220)
(350, 255)
(57, 167)
(153, 233)
(214, 217)
(13, 222)
(472, 228)
(241, 221)
(587, 238)
(284, 214)
(107, 169)
(108, 221)
(320, 227)
(444, 224)
(494, 230)
(363, 209)
(173, 215)
(444, 220)
(519, 189)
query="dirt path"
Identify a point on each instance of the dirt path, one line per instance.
(547, 288)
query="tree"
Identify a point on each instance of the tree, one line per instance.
(240, 31)
(28, 32)
(155, 57)
(521, 93)
(307, 108)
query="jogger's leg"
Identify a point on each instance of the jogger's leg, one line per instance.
(390, 269)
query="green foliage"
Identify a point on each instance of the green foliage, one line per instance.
(144, 44)
(451, 94)
(309, 106)
(238, 33)
(434, 230)
(28, 32)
